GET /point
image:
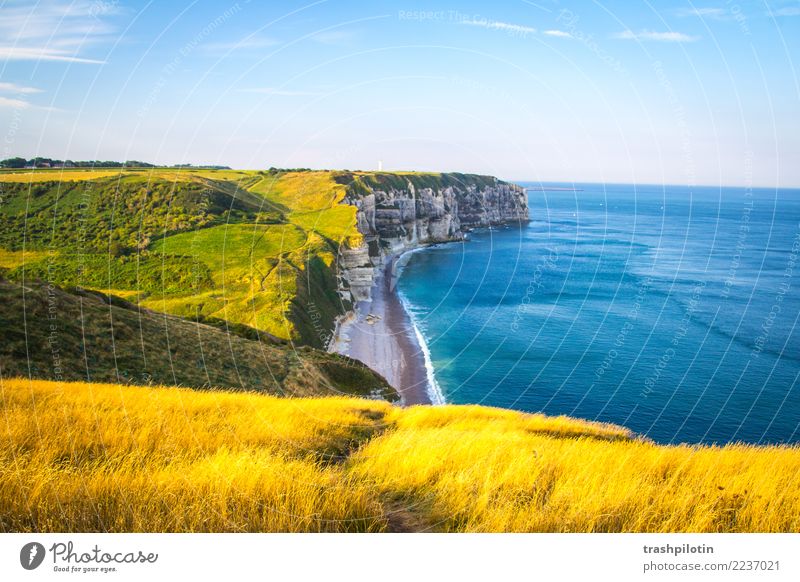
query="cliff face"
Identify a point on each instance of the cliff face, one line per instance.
(397, 212)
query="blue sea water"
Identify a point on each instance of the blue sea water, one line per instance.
(670, 310)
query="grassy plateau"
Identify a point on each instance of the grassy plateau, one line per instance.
(251, 248)
(255, 248)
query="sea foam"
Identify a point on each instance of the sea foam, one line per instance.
(433, 389)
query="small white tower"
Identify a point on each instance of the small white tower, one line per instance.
(380, 165)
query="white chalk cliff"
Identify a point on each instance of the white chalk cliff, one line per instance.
(405, 211)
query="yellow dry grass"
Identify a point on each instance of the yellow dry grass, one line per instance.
(485, 470)
(86, 457)
(14, 259)
(103, 457)
(131, 295)
(313, 203)
(38, 175)
(80, 174)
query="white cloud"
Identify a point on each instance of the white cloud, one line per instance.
(557, 33)
(18, 103)
(502, 26)
(14, 53)
(54, 30)
(14, 88)
(649, 35)
(787, 11)
(278, 92)
(703, 12)
(245, 44)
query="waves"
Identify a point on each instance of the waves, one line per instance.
(433, 389)
(514, 335)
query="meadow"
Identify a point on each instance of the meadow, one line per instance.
(105, 457)
(28, 176)
(252, 270)
(252, 248)
(255, 248)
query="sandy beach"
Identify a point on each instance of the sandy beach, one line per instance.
(381, 335)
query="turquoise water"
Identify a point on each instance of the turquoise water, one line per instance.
(671, 311)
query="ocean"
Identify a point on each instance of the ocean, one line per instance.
(670, 310)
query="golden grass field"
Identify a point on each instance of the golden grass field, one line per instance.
(104, 457)
(29, 176)
(12, 259)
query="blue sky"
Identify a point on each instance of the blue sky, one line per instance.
(668, 92)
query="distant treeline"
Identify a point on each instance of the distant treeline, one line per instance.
(274, 170)
(51, 163)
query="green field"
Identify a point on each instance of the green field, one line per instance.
(252, 248)
(255, 248)
(253, 271)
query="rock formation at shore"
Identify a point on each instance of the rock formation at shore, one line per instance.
(398, 212)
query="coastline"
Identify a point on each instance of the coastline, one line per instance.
(381, 334)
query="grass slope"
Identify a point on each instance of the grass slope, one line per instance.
(48, 333)
(91, 457)
(118, 215)
(253, 248)
(252, 270)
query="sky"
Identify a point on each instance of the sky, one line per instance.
(668, 92)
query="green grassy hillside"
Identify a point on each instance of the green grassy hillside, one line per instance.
(361, 182)
(121, 214)
(46, 332)
(253, 248)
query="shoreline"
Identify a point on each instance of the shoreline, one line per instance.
(381, 334)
